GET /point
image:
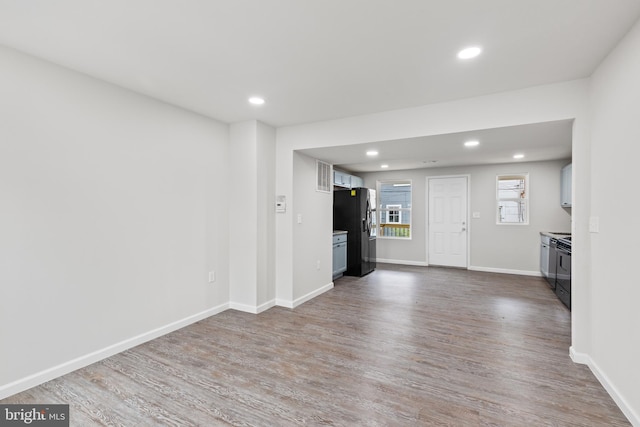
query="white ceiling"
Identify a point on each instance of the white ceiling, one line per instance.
(315, 60)
(538, 142)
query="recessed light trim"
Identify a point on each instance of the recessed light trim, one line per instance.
(372, 153)
(472, 143)
(256, 100)
(518, 156)
(470, 52)
(384, 166)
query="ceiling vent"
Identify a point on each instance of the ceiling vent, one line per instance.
(323, 176)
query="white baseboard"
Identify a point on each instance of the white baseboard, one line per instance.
(585, 359)
(284, 303)
(474, 268)
(304, 298)
(506, 271)
(402, 262)
(253, 309)
(243, 307)
(266, 306)
(86, 360)
(581, 358)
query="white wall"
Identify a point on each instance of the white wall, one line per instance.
(615, 288)
(266, 287)
(251, 209)
(313, 237)
(493, 247)
(109, 219)
(243, 215)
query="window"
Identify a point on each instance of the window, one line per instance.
(394, 214)
(394, 209)
(512, 195)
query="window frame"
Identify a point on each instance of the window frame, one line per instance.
(403, 213)
(523, 199)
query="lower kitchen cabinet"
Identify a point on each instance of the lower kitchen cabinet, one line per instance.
(339, 254)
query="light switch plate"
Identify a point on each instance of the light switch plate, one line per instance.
(594, 224)
(281, 204)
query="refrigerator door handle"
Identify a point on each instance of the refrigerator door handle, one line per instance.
(367, 220)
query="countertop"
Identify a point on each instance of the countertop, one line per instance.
(336, 232)
(556, 234)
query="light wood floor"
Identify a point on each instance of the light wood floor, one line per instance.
(402, 346)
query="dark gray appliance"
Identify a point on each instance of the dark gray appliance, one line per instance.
(548, 259)
(553, 268)
(352, 213)
(563, 271)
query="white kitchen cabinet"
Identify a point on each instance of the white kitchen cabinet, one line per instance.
(339, 254)
(341, 179)
(565, 186)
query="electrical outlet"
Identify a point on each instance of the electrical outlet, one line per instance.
(212, 276)
(318, 265)
(299, 218)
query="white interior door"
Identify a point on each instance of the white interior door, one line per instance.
(448, 221)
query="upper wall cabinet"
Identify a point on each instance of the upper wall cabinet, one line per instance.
(356, 182)
(343, 179)
(565, 186)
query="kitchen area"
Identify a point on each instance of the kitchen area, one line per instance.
(555, 248)
(548, 249)
(354, 226)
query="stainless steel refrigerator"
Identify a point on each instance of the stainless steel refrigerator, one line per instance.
(352, 212)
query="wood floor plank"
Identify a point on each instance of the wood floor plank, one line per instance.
(401, 346)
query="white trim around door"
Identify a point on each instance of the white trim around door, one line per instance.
(447, 220)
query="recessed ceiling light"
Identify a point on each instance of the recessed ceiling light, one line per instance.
(255, 100)
(469, 52)
(384, 166)
(372, 153)
(518, 156)
(471, 143)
